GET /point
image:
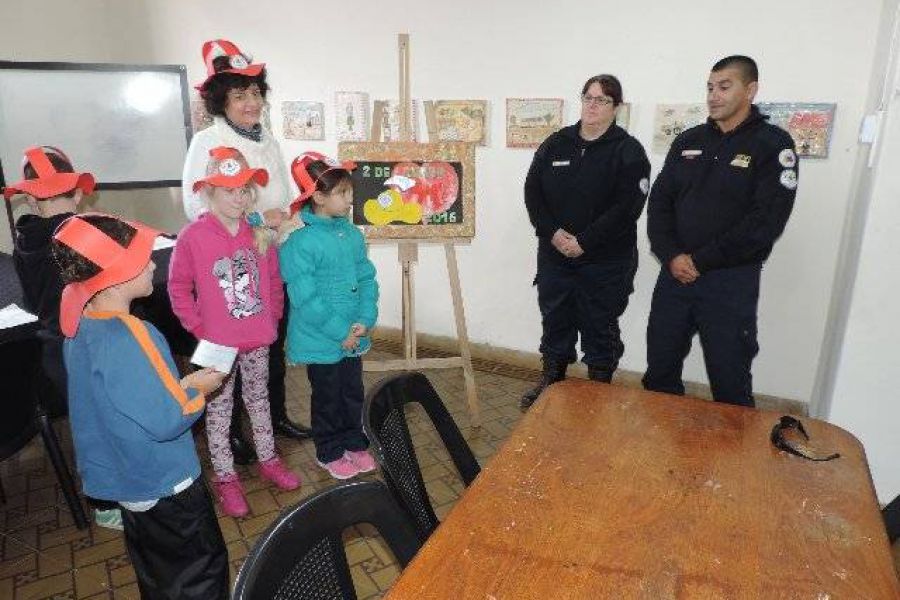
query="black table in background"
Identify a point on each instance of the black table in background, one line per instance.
(155, 308)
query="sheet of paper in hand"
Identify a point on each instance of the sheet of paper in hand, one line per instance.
(208, 354)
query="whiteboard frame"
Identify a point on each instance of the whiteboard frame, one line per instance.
(115, 68)
(120, 68)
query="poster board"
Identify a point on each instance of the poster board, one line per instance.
(413, 191)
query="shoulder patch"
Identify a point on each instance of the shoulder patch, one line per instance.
(788, 179)
(787, 158)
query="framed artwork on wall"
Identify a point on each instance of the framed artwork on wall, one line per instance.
(530, 120)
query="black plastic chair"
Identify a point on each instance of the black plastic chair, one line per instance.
(301, 555)
(891, 514)
(385, 425)
(22, 415)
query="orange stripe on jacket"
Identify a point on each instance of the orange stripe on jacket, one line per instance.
(140, 333)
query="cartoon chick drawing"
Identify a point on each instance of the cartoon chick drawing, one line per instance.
(389, 206)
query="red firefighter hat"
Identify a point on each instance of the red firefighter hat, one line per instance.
(118, 264)
(305, 182)
(228, 168)
(50, 182)
(238, 62)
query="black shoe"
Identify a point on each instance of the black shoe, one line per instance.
(599, 374)
(288, 428)
(242, 451)
(553, 371)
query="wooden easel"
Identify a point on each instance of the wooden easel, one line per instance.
(408, 255)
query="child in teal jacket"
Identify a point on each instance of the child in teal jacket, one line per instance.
(333, 306)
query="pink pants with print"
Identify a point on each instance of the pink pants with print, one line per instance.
(254, 366)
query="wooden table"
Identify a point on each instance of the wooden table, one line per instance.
(608, 492)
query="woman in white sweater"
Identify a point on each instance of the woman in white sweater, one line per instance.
(234, 94)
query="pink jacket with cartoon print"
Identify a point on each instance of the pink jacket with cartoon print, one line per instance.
(222, 289)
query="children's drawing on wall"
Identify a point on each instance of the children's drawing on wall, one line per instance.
(623, 116)
(530, 120)
(391, 118)
(200, 119)
(672, 119)
(351, 111)
(409, 190)
(461, 120)
(303, 120)
(808, 123)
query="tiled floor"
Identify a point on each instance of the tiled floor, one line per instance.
(43, 556)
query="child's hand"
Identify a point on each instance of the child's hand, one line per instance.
(275, 217)
(206, 380)
(358, 329)
(352, 341)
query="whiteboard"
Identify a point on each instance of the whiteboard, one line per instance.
(128, 125)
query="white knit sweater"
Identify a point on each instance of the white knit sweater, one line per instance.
(264, 154)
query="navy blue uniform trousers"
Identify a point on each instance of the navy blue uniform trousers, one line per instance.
(336, 406)
(585, 298)
(721, 305)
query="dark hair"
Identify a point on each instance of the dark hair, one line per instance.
(609, 84)
(75, 267)
(215, 93)
(744, 64)
(59, 162)
(326, 180)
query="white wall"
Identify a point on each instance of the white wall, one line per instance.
(864, 390)
(661, 51)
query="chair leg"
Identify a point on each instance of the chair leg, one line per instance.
(62, 472)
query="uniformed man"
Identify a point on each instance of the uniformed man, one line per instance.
(723, 197)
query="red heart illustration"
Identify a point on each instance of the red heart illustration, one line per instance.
(436, 188)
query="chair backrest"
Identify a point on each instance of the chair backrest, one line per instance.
(21, 361)
(301, 555)
(891, 514)
(385, 425)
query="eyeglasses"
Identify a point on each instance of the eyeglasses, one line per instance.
(778, 439)
(598, 100)
(245, 94)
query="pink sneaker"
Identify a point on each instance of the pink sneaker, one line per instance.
(231, 495)
(275, 471)
(362, 460)
(340, 468)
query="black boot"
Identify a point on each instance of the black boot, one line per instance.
(286, 427)
(242, 451)
(553, 371)
(599, 374)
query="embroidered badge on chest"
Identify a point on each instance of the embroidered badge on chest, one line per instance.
(561, 163)
(691, 154)
(741, 160)
(644, 185)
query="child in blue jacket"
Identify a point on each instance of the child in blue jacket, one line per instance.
(131, 415)
(333, 306)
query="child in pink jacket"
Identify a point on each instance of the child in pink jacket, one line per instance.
(225, 287)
